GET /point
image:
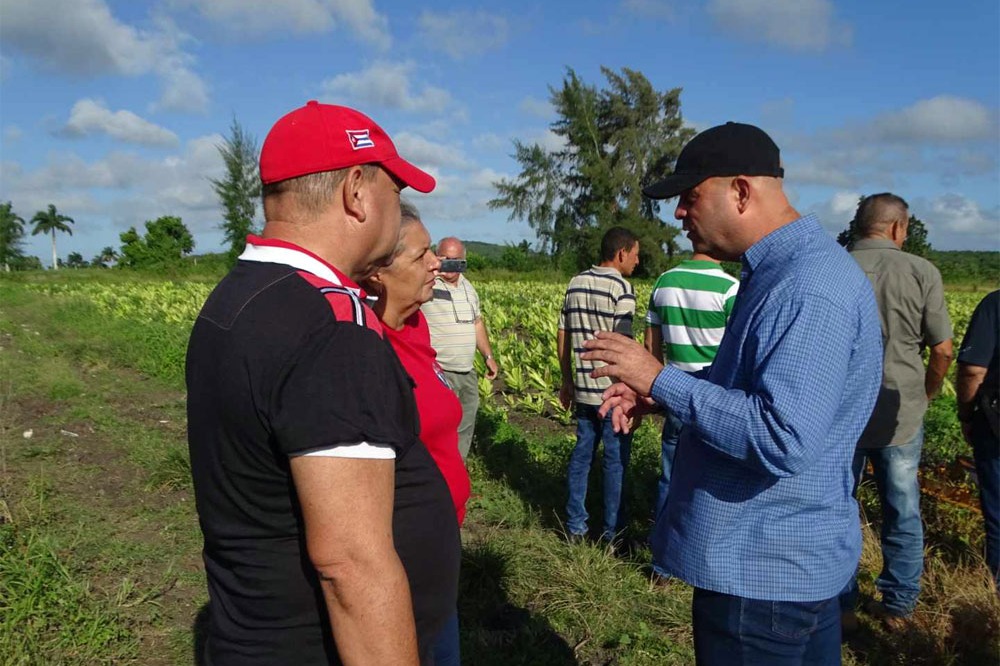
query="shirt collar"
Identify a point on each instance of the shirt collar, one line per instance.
(449, 285)
(875, 244)
(780, 243)
(277, 251)
(606, 270)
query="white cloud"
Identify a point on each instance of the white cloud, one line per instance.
(426, 153)
(12, 133)
(90, 116)
(813, 173)
(460, 197)
(463, 33)
(387, 85)
(267, 17)
(835, 213)
(82, 38)
(491, 142)
(948, 137)
(654, 9)
(120, 190)
(939, 119)
(538, 108)
(957, 214)
(549, 141)
(799, 25)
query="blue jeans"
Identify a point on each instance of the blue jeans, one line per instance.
(895, 472)
(591, 430)
(668, 447)
(986, 450)
(735, 631)
(446, 646)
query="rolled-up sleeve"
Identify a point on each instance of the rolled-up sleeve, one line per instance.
(801, 350)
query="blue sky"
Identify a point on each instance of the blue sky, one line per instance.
(112, 110)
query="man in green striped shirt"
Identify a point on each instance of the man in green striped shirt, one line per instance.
(687, 316)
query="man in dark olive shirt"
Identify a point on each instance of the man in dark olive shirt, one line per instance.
(977, 392)
(913, 315)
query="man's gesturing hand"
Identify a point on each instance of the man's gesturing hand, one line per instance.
(626, 360)
(626, 408)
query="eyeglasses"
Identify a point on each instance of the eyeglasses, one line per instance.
(459, 319)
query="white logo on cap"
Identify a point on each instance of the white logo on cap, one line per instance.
(360, 139)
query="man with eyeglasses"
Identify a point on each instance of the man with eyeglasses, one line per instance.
(457, 332)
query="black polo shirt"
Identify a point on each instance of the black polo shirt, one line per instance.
(284, 361)
(981, 347)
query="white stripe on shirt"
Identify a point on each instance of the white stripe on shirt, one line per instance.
(363, 450)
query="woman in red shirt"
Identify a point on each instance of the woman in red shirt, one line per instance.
(401, 288)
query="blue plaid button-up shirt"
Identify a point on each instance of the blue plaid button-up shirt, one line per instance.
(760, 501)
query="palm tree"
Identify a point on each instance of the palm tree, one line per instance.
(49, 222)
(105, 257)
(11, 232)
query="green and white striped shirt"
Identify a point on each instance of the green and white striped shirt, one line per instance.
(691, 304)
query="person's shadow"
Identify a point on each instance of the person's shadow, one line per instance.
(504, 452)
(493, 630)
(199, 631)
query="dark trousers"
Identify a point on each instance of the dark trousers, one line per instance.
(734, 631)
(986, 448)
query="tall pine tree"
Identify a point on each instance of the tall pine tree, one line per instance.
(616, 140)
(239, 190)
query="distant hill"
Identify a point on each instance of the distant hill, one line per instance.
(487, 250)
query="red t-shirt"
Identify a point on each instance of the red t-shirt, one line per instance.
(438, 406)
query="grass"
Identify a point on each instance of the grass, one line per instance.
(101, 549)
(59, 620)
(97, 549)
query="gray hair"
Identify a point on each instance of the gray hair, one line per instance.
(408, 213)
(877, 212)
(314, 192)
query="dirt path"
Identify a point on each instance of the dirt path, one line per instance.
(89, 461)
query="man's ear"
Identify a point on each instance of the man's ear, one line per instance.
(741, 191)
(899, 229)
(355, 192)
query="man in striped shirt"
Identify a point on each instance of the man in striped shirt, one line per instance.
(687, 316)
(598, 299)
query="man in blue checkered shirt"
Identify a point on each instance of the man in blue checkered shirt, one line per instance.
(760, 518)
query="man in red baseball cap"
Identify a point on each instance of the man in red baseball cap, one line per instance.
(329, 533)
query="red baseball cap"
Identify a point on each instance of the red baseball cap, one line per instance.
(324, 137)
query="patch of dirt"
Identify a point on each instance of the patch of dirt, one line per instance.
(91, 475)
(538, 426)
(952, 483)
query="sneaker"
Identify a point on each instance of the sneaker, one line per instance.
(892, 622)
(574, 538)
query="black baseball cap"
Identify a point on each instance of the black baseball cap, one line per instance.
(733, 149)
